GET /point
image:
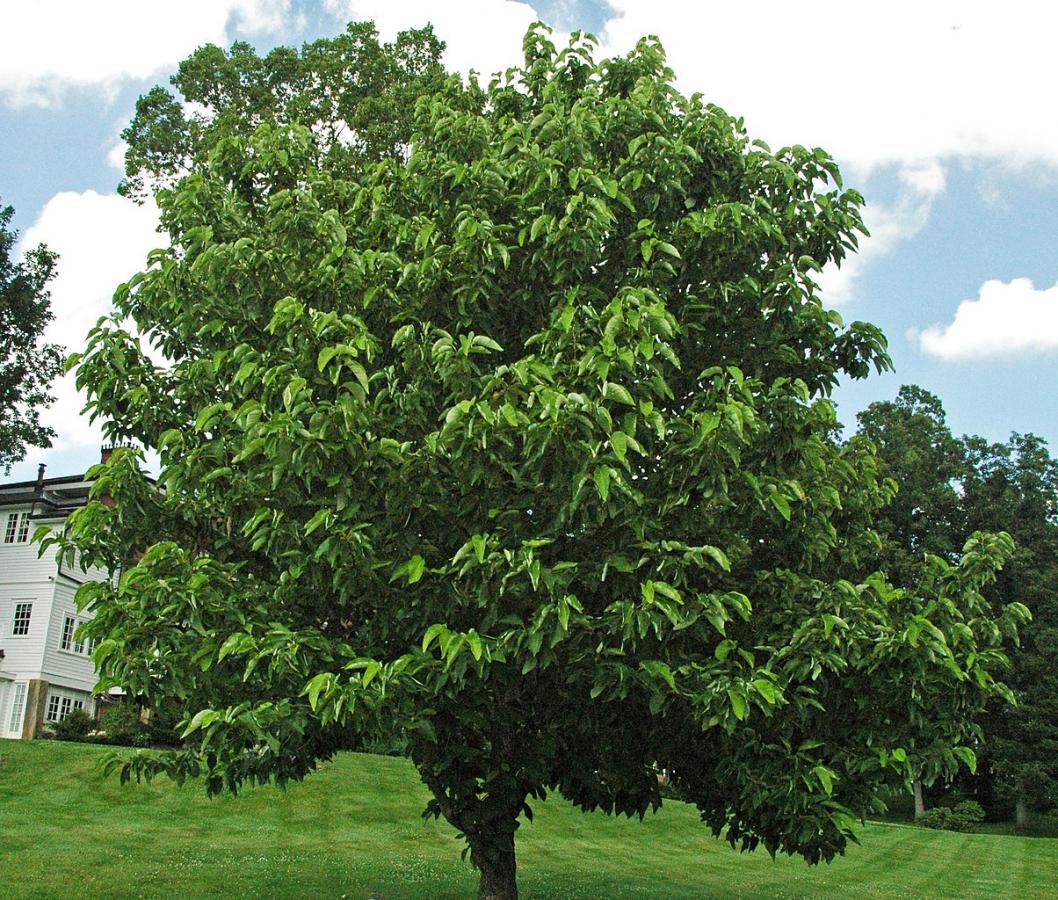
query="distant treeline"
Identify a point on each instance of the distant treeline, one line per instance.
(950, 487)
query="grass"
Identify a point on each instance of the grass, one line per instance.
(354, 830)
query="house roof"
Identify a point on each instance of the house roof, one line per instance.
(51, 497)
(48, 482)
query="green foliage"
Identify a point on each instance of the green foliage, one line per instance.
(520, 447)
(966, 816)
(122, 725)
(920, 454)
(950, 486)
(163, 727)
(75, 726)
(27, 367)
(1017, 483)
(355, 94)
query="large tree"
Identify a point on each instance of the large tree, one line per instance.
(918, 452)
(1014, 486)
(950, 486)
(27, 366)
(519, 443)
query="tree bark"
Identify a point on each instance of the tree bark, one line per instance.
(491, 842)
(1021, 813)
(494, 857)
(920, 806)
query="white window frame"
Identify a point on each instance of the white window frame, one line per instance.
(69, 626)
(18, 707)
(16, 530)
(15, 621)
(68, 643)
(60, 705)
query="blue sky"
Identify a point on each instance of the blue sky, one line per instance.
(941, 114)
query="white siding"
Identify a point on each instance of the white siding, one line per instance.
(62, 667)
(23, 654)
(19, 564)
(25, 578)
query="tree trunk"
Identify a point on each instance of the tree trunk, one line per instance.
(491, 839)
(493, 854)
(1021, 812)
(920, 806)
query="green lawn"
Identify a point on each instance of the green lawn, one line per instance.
(354, 830)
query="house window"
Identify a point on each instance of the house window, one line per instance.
(71, 644)
(69, 625)
(18, 706)
(20, 624)
(17, 530)
(59, 707)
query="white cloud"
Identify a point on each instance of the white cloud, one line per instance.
(874, 84)
(101, 241)
(920, 183)
(116, 155)
(1006, 319)
(51, 46)
(484, 35)
(907, 84)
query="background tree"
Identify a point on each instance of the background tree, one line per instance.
(521, 444)
(950, 486)
(918, 451)
(355, 95)
(1016, 483)
(27, 367)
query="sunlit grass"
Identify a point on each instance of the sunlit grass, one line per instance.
(355, 829)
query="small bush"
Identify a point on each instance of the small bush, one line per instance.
(937, 817)
(966, 816)
(74, 727)
(122, 725)
(161, 727)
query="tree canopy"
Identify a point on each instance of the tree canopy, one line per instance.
(919, 452)
(27, 367)
(520, 444)
(355, 95)
(950, 486)
(1016, 484)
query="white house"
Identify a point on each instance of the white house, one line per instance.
(45, 670)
